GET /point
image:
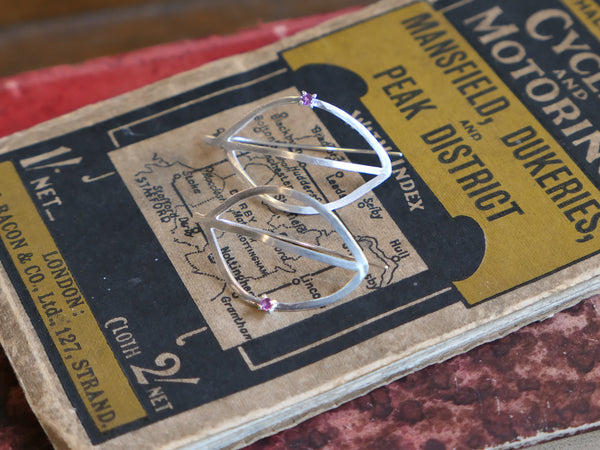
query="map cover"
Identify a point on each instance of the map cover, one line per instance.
(113, 310)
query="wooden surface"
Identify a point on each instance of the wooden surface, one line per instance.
(39, 33)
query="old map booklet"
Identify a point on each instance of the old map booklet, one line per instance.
(115, 316)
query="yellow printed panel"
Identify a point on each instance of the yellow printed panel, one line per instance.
(588, 11)
(96, 374)
(474, 143)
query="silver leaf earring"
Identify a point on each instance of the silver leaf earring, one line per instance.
(357, 262)
(232, 144)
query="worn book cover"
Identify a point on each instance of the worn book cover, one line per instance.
(119, 323)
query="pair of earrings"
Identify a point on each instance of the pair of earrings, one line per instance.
(212, 222)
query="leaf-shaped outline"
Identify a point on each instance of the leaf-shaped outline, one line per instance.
(358, 263)
(231, 143)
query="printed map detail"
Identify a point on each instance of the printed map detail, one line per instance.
(176, 175)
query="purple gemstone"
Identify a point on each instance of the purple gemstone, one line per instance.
(307, 99)
(268, 305)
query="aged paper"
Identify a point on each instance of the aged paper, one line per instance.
(122, 329)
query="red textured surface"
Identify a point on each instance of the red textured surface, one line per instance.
(33, 97)
(543, 378)
(18, 427)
